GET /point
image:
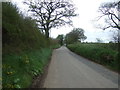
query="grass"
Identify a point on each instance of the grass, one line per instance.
(19, 70)
(55, 46)
(25, 49)
(100, 53)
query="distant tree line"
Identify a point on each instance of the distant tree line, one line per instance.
(76, 35)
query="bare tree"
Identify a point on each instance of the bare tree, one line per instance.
(52, 13)
(111, 12)
(116, 37)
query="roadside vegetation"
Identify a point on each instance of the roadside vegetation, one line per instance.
(25, 49)
(27, 46)
(106, 54)
(19, 70)
(102, 53)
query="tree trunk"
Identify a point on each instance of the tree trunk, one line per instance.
(47, 33)
(47, 37)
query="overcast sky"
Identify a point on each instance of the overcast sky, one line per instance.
(88, 11)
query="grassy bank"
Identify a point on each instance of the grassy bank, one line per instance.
(100, 53)
(25, 49)
(18, 70)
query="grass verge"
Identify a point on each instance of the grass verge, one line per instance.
(19, 70)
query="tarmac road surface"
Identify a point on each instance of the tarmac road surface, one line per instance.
(68, 70)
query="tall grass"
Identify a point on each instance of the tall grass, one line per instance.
(98, 53)
(18, 70)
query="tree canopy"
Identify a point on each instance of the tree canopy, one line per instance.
(51, 13)
(60, 39)
(77, 34)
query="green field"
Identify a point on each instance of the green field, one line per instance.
(102, 53)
